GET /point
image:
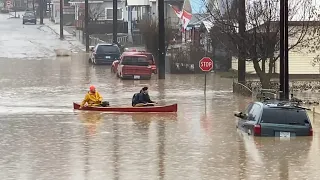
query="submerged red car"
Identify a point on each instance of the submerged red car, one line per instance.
(134, 66)
(149, 56)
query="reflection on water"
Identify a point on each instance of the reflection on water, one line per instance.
(43, 138)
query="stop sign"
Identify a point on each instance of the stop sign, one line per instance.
(206, 64)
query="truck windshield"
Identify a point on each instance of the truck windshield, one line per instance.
(285, 116)
(135, 61)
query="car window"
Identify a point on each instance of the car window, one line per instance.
(134, 60)
(101, 49)
(255, 112)
(284, 116)
(149, 58)
(29, 14)
(247, 110)
(298, 117)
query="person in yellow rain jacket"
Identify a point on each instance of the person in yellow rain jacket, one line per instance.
(93, 98)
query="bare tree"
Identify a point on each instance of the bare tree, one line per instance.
(150, 35)
(96, 11)
(261, 39)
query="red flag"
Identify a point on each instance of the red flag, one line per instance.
(186, 17)
(176, 10)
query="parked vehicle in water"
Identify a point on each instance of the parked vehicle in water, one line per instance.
(134, 67)
(29, 17)
(104, 54)
(275, 118)
(149, 56)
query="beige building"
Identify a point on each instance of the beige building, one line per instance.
(301, 58)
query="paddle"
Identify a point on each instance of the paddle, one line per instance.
(150, 104)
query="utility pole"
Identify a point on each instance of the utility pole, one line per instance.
(162, 54)
(115, 21)
(281, 49)
(41, 4)
(86, 22)
(284, 58)
(61, 19)
(286, 50)
(242, 48)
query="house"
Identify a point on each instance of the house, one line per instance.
(99, 9)
(301, 57)
(68, 12)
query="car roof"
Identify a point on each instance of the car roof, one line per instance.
(129, 53)
(106, 44)
(134, 55)
(280, 104)
(136, 52)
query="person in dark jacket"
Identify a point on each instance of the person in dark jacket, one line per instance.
(142, 98)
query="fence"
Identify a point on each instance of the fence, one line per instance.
(95, 40)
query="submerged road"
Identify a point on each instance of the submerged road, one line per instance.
(43, 138)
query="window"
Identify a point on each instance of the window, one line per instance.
(248, 108)
(255, 112)
(109, 14)
(149, 58)
(134, 60)
(29, 14)
(102, 49)
(284, 116)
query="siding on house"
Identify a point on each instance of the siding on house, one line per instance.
(299, 63)
(300, 60)
(121, 5)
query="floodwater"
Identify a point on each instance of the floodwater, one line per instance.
(43, 138)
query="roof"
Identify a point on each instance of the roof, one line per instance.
(133, 55)
(106, 44)
(281, 104)
(137, 2)
(136, 52)
(197, 19)
(290, 23)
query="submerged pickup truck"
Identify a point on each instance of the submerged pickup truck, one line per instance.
(149, 56)
(134, 67)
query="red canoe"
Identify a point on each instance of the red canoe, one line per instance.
(169, 108)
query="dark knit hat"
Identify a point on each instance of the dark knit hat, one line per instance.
(145, 88)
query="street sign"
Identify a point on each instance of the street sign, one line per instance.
(8, 4)
(206, 64)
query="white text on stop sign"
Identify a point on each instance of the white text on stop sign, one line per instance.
(206, 64)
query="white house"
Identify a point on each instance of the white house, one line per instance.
(102, 8)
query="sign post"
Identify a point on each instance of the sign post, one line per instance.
(206, 65)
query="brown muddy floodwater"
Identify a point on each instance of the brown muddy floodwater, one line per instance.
(43, 138)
